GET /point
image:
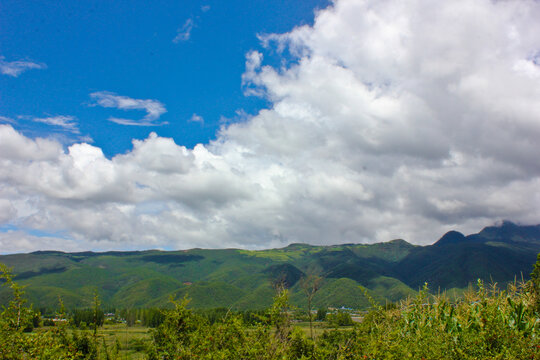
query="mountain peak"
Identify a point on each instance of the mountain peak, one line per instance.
(401, 243)
(509, 231)
(507, 224)
(451, 237)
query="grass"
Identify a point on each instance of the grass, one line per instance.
(132, 340)
(319, 327)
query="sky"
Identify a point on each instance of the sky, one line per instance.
(182, 124)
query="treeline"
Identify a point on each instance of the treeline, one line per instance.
(147, 317)
(153, 317)
(150, 317)
(486, 323)
(83, 317)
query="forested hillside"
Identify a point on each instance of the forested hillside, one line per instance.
(243, 279)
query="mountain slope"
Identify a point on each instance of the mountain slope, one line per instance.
(497, 254)
(244, 279)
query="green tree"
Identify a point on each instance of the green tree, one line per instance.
(98, 315)
(310, 284)
(321, 314)
(340, 318)
(535, 274)
(16, 317)
(534, 286)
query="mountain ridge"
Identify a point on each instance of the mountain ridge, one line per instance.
(243, 279)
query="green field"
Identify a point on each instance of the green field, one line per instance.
(132, 341)
(121, 341)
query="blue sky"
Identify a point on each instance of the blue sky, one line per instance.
(128, 48)
(126, 124)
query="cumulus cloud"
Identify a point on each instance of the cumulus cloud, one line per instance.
(16, 68)
(394, 119)
(154, 109)
(184, 33)
(15, 147)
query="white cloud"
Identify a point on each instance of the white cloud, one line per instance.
(8, 120)
(196, 118)
(184, 33)
(397, 119)
(16, 68)
(66, 122)
(250, 80)
(15, 147)
(20, 241)
(205, 8)
(154, 109)
(7, 211)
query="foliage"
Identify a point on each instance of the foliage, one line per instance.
(340, 318)
(149, 317)
(88, 317)
(534, 283)
(16, 344)
(486, 323)
(311, 284)
(186, 335)
(321, 314)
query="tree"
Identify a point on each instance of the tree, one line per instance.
(535, 274)
(17, 315)
(310, 284)
(321, 314)
(535, 283)
(97, 313)
(340, 318)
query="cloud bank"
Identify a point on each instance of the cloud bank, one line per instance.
(391, 119)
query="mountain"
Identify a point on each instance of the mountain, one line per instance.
(496, 254)
(244, 279)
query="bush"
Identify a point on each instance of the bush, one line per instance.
(340, 318)
(485, 323)
(48, 322)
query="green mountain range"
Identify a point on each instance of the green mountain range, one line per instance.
(244, 279)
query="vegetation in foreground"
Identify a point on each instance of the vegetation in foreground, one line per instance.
(487, 323)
